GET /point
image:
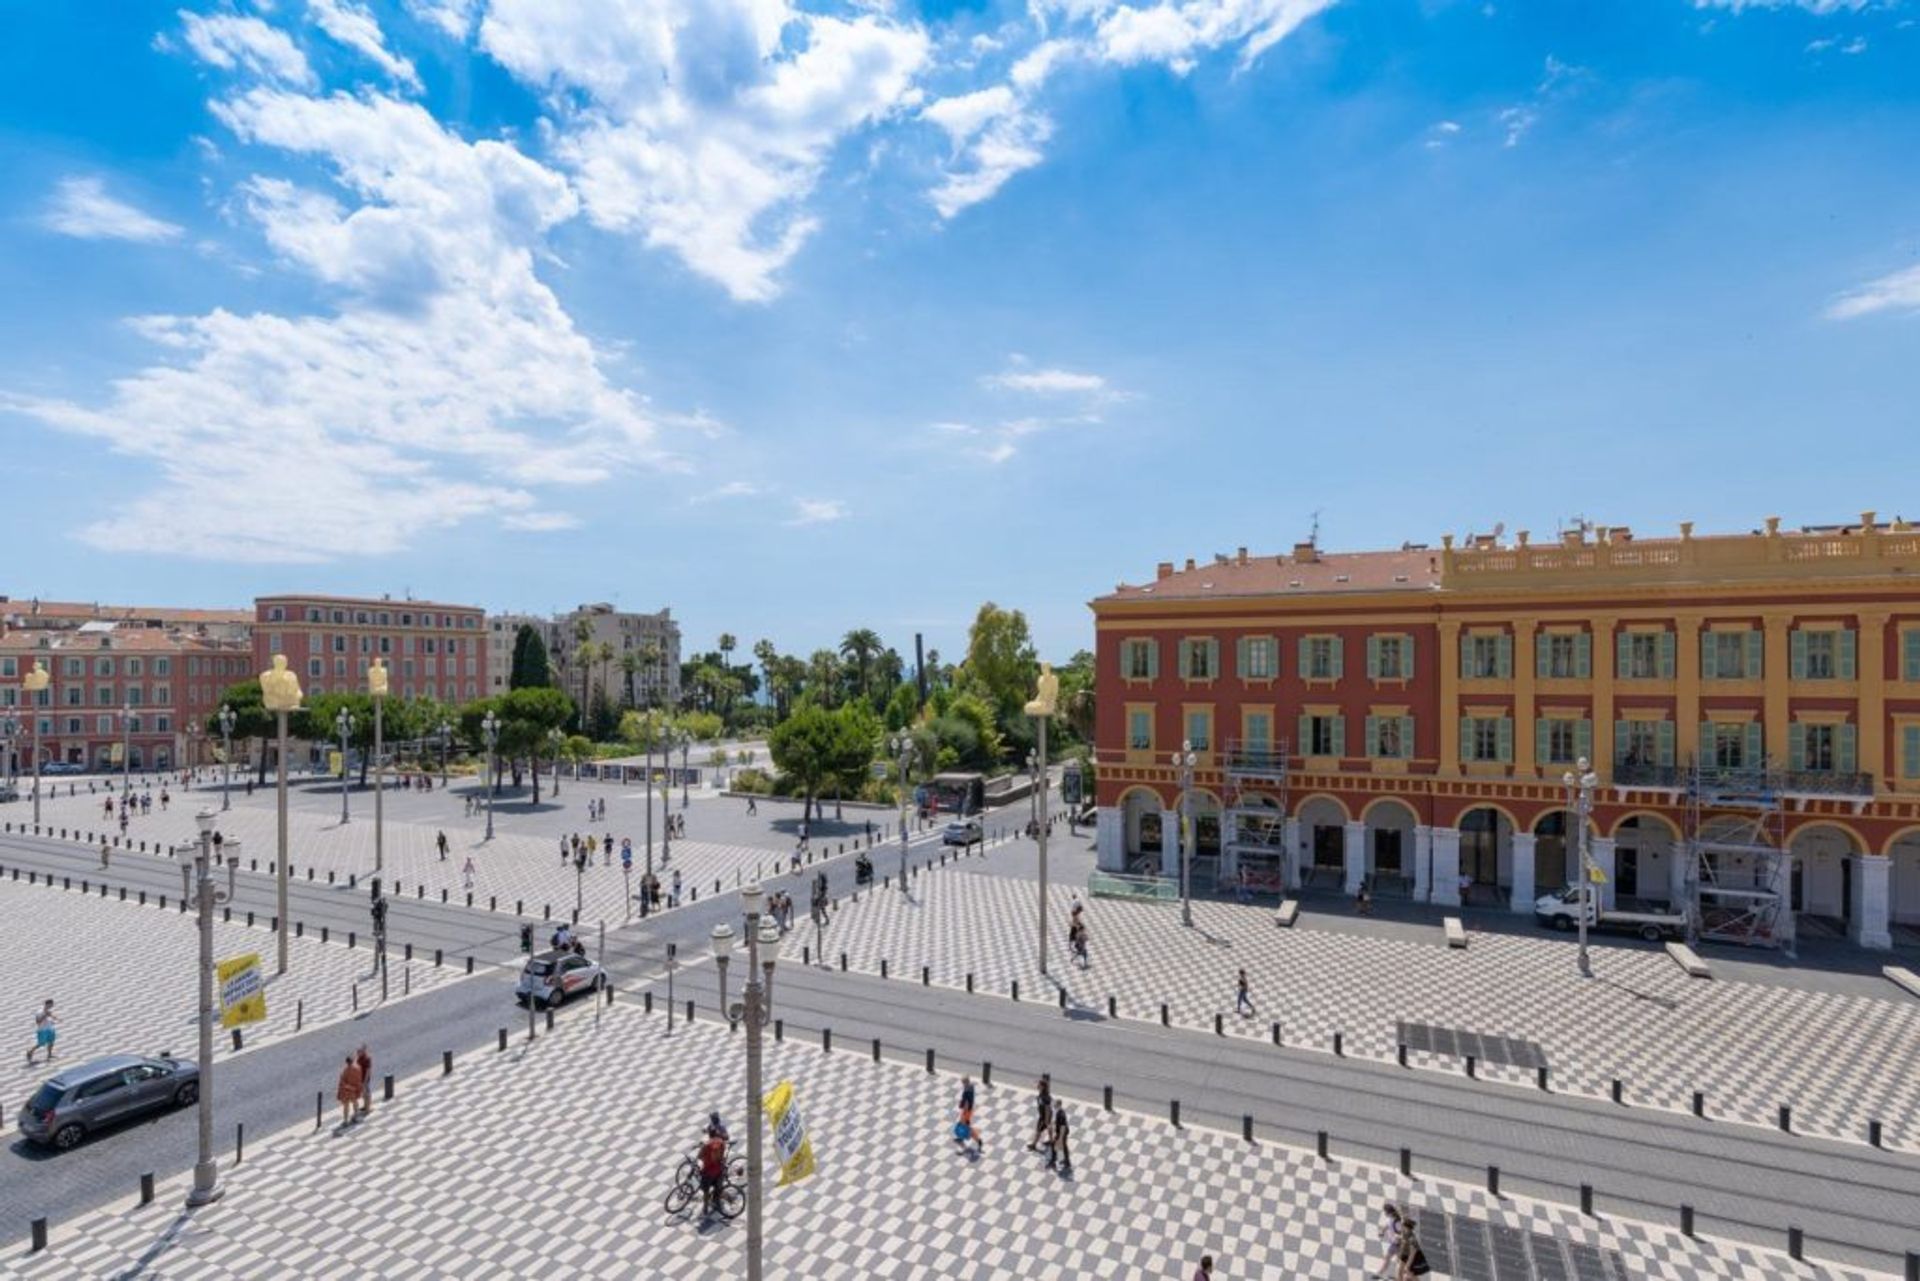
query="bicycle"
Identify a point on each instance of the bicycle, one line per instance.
(686, 1188)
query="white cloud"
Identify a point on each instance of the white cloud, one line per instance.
(541, 522)
(818, 511)
(353, 26)
(81, 207)
(1897, 291)
(448, 385)
(454, 17)
(1517, 122)
(1046, 381)
(732, 489)
(704, 125)
(235, 43)
(1441, 132)
(1812, 6)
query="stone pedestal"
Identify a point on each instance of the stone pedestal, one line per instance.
(1522, 894)
(1109, 839)
(1422, 863)
(1446, 866)
(1872, 883)
(1354, 856)
(1290, 854)
(1170, 843)
(1600, 850)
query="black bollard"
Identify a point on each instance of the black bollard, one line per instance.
(240, 1142)
(1686, 1220)
(503, 1031)
(1106, 1097)
(1796, 1244)
(1873, 1133)
(826, 1040)
(1246, 1126)
(1320, 1144)
(39, 1236)
(929, 1062)
(1338, 1045)
(386, 1087)
(1219, 1024)
(1541, 1073)
(1786, 1120)
(1406, 1162)
(876, 1049)
(446, 1063)
(1619, 1090)
(1016, 989)
(1700, 1103)
(146, 1189)
(1173, 1112)
(1586, 1199)
(1493, 1180)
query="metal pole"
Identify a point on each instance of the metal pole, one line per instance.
(206, 1186)
(1586, 878)
(126, 750)
(444, 737)
(35, 710)
(226, 773)
(1040, 787)
(666, 803)
(906, 758)
(1186, 838)
(379, 777)
(493, 780)
(756, 1016)
(649, 805)
(342, 725)
(685, 744)
(280, 870)
(672, 950)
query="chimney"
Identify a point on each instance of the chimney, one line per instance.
(1240, 557)
(1163, 570)
(1189, 565)
(1306, 553)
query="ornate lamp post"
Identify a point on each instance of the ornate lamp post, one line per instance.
(1186, 758)
(377, 690)
(206, 1186)
(901, 745)
(554, 739)
(686, 742)
(490, 730)
(755, 1012)
(343, 725)
(10, 729)
(446, 740)
(35, 683)
(126, 749)
(1580, 781)
(226, 719)
(280, 694)
(1046, 698)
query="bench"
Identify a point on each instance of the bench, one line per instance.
(1685, 957)
(1456, 932)
(1905, 977)
(1289, 913)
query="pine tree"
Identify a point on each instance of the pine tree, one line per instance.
(531, 670)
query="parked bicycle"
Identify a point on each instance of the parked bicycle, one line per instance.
(686, 1188)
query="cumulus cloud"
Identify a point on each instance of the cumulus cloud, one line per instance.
(1897, 291)
(732, 489)
(235, 43)
(81, 207)
(704, 125)
(1812, 6)
(352, 25)
(818, 511)
(1049, 381)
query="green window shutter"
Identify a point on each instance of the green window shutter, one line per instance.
(1583, 738)
(1213, 658)
(1623, 655)
(1406, 736)
(1707, 754)
(1755, 748)
(1666, 655)
(1847, 661)
(1240, 658)
(1583, 656)
(1542, 654)
(1303, 745)
(1756, 665)
(1406, 657)
(1273, 649)
(1910, 658)
(1504, 667)
(1663, 741)
(1541, 726)
(1153, 659)
(1466, 657)
(1910, 750)
(1466, 738)
(1339, 734)
(1305, 652)
(1797, 654)
(1339, 646)
(1796, 747)
(1622, 730)
(1373, 657)
(1846, 756)
(1709, 657)
(1505, 732)
(1373, 736)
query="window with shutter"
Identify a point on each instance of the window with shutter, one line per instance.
(1709, 656)
(1373, 737)
(1910, 654)
(1338, 646)
(1583, 656)
(1373, 658)
(1663, 739)
(1623, 656)
(1846, 749)
(1240, 663)
(1337, 735)
(1847, 659)
(1466, 740)
(1755, 666)
(1406, 658)
(1543, 655)
(1303, 662)
(1406, 736)
(1667, 647)
(1623, 745)
(1304, 735)
(1796, 747)
(1542, 741)
(1504, 732)
(1797, 655)
(1910, 751)
(1583, 740)
(1754, 755)
(1504, 660)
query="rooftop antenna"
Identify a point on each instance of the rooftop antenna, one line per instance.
(1499, 528)
(1313, 537)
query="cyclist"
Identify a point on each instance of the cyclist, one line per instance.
(713, 1165)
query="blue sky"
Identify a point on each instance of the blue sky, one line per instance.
(800, 317)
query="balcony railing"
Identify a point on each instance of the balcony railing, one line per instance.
(1268, 759)
(1749, 783)
(1636, 774)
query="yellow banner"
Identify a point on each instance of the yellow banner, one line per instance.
(116, 753)
(243, 993)
(790, 1139)
(336, 762)
(1595, 875)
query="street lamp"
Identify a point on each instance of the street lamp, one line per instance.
(35, 683)
(647, 808)
(1580, 782)
(1186, 758)
(226, 747)
(126, 749)
(343, 724)
(554, 739)
(280, 694)
(446, 739)
(669, 739)
(490, 730)
(376, 690)
(686, 742)
(206, 1186)
(721, 940)
(755, 1006)
(1040, 708)
(901, 745)
(8, 729)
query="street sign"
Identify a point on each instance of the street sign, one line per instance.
(790, 1139)
(243, 992)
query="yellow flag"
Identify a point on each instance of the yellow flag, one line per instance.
(790, 1139)
(1595, 875)
(243, 993)
(336, 762)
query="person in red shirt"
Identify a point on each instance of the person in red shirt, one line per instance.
(713, 1170)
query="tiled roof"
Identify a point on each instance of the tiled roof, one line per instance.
(1412, 570)
(89, 610)
(370, 602)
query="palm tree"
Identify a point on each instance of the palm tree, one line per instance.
(859, 647)
(629, 665)
(933, 669)
(765, 654)
(650, 657)
(823, 677)
(582, 639)
(603, 654)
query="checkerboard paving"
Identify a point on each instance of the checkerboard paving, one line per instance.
(127, 980)
(1838, 1061)
(495, 1173)
(512, 868)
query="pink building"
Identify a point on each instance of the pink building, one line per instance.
(432, 650)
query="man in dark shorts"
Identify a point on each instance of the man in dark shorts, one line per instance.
(1043, 1123)
(713, 1170)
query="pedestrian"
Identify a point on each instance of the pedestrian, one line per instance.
(1242, 997)
(43, 1031)
(1362, 901)
(348, 1091)
(626, 853)
(566, 851)
(965, 1130)
(466, 872)
(1392, 1227)
(1060, 1151)
(1043, 1126)
(364, 1062)
(1205, 1270)
(440, 839)
(104, 850)
(751, 807)
(673, 895)
(1413, 1260)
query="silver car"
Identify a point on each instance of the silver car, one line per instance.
(97, 1095)
(965, 831)
(552, 977)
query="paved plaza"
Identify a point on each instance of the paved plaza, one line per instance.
(1839, 1061)
(124, 979)
(493, 1173)
(521, 864)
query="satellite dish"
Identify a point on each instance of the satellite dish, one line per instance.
(1499, 529)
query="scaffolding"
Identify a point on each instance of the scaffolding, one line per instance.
(1256, 840)
(1738, 870)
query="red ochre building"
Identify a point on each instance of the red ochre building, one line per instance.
(1405, 719)
(432, 650)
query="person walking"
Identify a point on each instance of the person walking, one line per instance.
(1060, 1154)
(364, 1062)
(347, 1092)
(965, 1131)
(752, 808)
(1205, 1271)
(1242, 997)
(1413, 1260)
(673, 895)
(1043, 1124)
(466, 872)
(440, 839)
(44, 1033)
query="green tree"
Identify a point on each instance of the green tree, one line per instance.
(859, 648)
(531, 667)
(1001, 663)
(823, 677)
(525, 716)
(805, 748)
(251, 719)
(765, 654)
(856, 738)
(629, 667)
(903, 708)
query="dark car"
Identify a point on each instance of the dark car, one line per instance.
(96, 1095)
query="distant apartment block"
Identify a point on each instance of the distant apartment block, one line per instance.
(433, 649)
